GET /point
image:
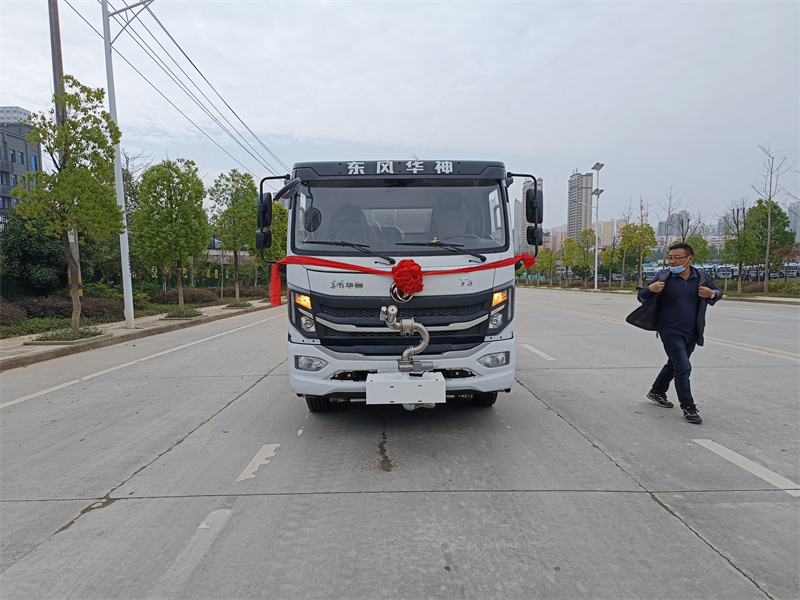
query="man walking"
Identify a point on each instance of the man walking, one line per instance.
(683, 295)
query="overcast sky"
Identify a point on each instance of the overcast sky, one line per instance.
(665, 94)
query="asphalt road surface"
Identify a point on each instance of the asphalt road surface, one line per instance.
(182, 466)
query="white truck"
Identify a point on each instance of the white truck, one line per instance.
(380, 252)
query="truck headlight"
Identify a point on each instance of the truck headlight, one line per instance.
(309, 363)
(501, 311)
(496, 359)
(302, 315)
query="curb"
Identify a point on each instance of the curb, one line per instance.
(110, 340)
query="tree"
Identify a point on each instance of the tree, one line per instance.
(170, 224)
(700, 247)
(578, 254)
(772, 170)
(739, 245)
(638, 239)
(545, 262)
(234, 197)
(769, 229)
(80, 194)
(33, 260)
(671, 207)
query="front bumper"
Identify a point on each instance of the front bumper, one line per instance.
(321, 383)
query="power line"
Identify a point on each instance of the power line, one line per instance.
(200, 129)
(162, 64)
(215, 90)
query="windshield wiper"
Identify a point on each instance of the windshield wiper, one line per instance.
(457, 248)
(360, 247)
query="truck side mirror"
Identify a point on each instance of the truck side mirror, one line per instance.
(263, 239)
(534, 206)
(265, 210)
(535, 236)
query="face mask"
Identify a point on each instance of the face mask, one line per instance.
(678, 269)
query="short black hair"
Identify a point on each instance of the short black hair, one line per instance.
(683, 246)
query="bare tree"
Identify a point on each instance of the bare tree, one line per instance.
(736, 242)
(670, 207)
(772, 169)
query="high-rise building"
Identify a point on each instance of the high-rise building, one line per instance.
(794, 219)
(17, 157)
(520, 222)
(579, 203)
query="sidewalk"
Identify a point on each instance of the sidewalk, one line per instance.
(20, 352)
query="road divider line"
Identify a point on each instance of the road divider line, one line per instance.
(173, 581)
(267, 451)
(539, 352)
(128, 364)
(748, 465)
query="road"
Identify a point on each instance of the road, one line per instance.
(182, 466)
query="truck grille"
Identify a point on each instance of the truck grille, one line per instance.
(365, 312)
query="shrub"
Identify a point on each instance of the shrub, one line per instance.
(46, 308)
(10, 314)
(100, 290)
(190, 296)
(94, 308)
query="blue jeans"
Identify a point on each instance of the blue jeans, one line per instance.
(678, 367)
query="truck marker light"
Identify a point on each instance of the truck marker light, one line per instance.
(499, 297)
(309, 363)
(303, 301)
(497, 359)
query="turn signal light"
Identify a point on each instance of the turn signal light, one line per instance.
(499, 298)
(304, 301)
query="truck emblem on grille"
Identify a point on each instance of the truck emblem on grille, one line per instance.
(341, 284)
(465, 282)
(399, 296)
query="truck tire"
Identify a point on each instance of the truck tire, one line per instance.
(487, 399)
(317, 403)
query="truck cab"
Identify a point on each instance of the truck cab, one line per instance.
(380, 252)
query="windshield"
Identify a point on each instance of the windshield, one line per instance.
(399, 217)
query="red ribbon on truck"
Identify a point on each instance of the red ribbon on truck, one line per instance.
(407, 274)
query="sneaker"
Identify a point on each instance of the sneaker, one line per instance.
(690, 414)
(659, 399)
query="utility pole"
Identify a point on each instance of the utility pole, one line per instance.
(127, 288)
(58, 87)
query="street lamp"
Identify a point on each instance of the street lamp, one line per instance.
(596, 192)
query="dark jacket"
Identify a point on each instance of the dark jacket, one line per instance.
(705, 279)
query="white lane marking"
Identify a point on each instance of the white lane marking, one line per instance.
(539, 352)
(171, 582)
(128, 364)
(749, 321)
(261, 457)
(748, 465)
(300, 431)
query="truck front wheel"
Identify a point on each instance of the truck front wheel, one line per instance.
(487, 399)
(317, 403)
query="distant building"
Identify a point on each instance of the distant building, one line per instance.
(794, 216)
(555, 241)
(673, 228)
(579, 203)
(17, 157)
(520, 222)
(607, 233)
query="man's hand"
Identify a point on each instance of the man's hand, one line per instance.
(657, 286)
(705, 292)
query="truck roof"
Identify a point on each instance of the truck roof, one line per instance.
(400, 169)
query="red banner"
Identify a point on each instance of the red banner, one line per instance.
(407, 274)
